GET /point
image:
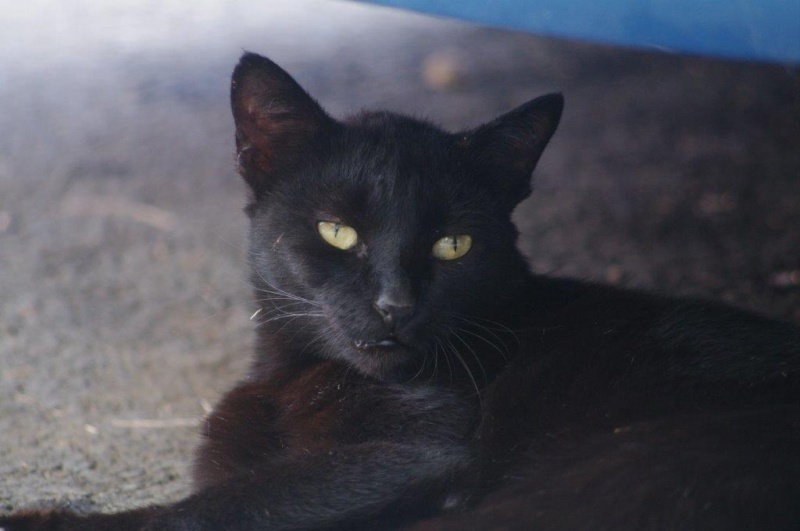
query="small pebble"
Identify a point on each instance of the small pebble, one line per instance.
(442, 70)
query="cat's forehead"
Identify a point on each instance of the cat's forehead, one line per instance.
(390, 166)
(401, 156)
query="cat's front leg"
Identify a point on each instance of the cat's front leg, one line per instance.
(370, 485)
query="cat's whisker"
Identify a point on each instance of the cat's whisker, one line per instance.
(503, 353)
(301, 329)
(421, 368)
(435, 364)
(282, 295)
(472, 351)
(318, 338)
(454, 350)
(292, 316)
(322, 336)
(280, 305)
(275, 290)
(439, 347)
(446, 359)
(275, 314)
(271, 305)
(477, 321)
(494, 330)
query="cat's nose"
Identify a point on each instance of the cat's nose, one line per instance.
(393, 309)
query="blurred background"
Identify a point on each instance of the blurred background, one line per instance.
(123, 297)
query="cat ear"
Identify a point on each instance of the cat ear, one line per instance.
(512, 144)
(276, 120)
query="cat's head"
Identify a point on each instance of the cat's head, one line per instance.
(381, 241)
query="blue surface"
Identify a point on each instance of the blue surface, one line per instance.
(767, 30)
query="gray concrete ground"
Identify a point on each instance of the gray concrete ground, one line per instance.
(123, 302)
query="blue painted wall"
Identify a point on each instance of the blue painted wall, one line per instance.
(741, 29)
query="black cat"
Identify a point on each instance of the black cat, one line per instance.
(411, 372)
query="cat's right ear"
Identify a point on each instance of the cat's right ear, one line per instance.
(276, 120)
(513, 143)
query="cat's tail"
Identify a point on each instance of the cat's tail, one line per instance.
(60, 520)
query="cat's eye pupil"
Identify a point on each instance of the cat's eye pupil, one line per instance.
(337, 234)
(452, 247)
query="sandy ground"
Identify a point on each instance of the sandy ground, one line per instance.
(123, 301)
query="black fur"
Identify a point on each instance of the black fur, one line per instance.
(498, 399)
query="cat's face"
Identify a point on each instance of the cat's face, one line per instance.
(382, 241)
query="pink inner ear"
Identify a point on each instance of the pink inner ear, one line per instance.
(276, 132)
(275, 118)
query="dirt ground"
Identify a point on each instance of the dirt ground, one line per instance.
(123, 299)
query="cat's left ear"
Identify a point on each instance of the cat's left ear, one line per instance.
(512, 144)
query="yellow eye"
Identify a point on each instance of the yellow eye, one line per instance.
(452, 247)
(338, 235)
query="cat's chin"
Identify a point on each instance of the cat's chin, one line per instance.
(379, 358)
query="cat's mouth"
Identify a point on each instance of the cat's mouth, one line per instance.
(381, 357)
(389, 342)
